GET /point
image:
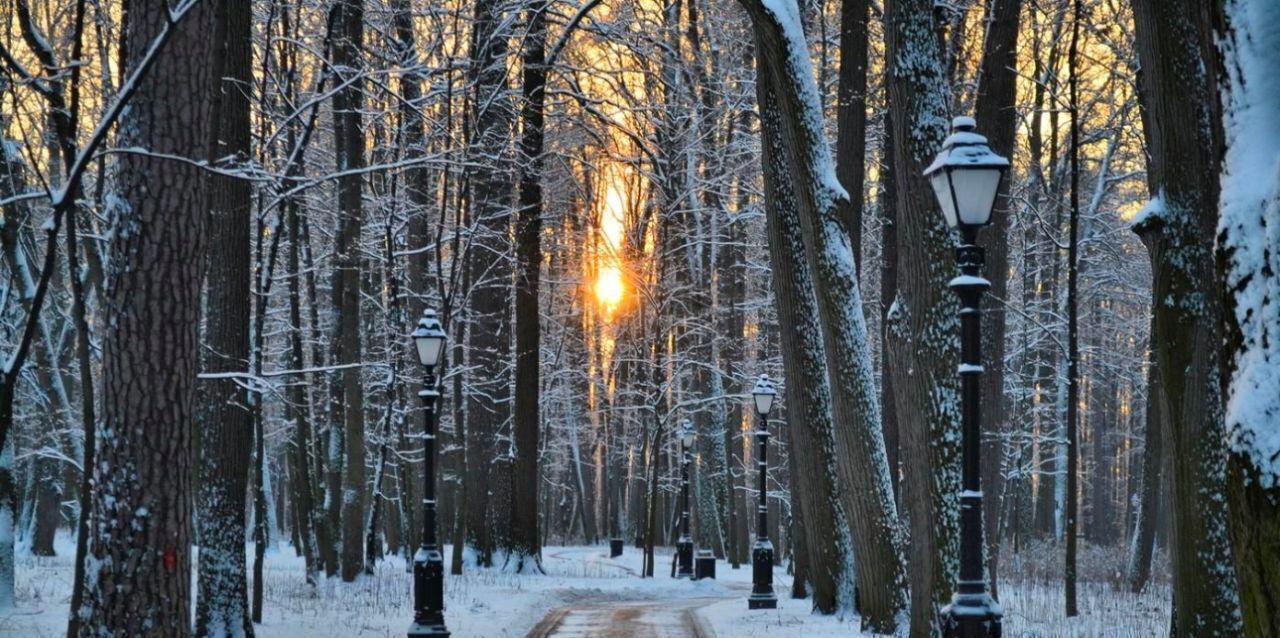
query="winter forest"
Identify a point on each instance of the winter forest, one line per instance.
(233, 231)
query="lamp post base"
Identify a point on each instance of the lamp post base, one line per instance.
(684, 558)
(428, 631)
(975, 615)
(762, 596)
(428, 594)
(762, 601)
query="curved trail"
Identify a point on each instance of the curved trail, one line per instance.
(590, 559)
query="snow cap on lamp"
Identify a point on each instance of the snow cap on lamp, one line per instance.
(429, 338)
(965, 176)
(763, 394)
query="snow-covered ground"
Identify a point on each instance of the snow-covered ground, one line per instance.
(580, 582)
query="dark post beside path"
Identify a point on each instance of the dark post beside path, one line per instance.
(762, 596)
(428, 564)
(966, 177)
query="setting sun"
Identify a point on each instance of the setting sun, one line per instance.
(609, 287)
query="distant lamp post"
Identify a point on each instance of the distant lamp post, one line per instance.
(428, 564)
(762, 596)
(966, 179)
(684, 546)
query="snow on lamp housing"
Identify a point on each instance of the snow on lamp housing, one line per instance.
(763, 394)
(429, 338)
(965, 176)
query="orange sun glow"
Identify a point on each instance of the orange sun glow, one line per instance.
(609, 286)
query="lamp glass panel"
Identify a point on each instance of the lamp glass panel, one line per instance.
(429, 349)
(942, 190)
(976, 190)
(763, 403)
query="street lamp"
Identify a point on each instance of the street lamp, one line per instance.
(762, 596)
(966, 178)
(684, 546)
(428, 564)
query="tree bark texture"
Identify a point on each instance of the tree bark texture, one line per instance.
(1143, 543)
(347, 104)
(1178, 92)
(525, 542)
(817, 491)
(851, 116)
(861, 464)
(226, 433)
(489, 337)
(923, 326)
(1072, 509)
(1248, 236)
(138, 570)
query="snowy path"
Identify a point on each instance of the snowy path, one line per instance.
(665, 618)
(648, 619)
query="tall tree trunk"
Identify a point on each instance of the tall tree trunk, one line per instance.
(525, 543)
(11, 183)
(418, 191)
(488, 337)
(867, 495)
(227, 430)
(817, 492)
(923, 352)
(851, 119)
(89, 418)
(997, 116)
(888, 292)
(1178, 91)
(1249, 233)
(45, 497)
(139, 582)
(732, 279)
(298, 410)
(1144, 526)
(1073, 329)
(347, 104)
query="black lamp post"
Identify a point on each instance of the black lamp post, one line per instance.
(428, 564)
(684, 546)
(966, 178)
(762, 596)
